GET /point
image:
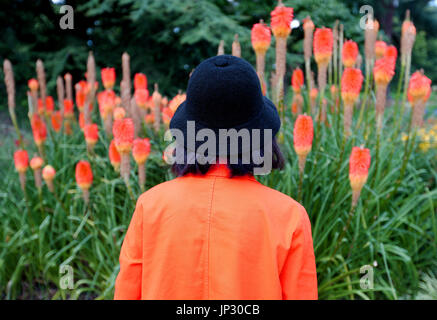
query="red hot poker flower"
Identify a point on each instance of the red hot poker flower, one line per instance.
(391, 53)
(380, 47)
(323, 44)
(21, 160)
(106, 101)
(39, 130)
(108, 77)
(303, 135)
(297, 80)
(36, 163)
(119, 113)
(56, 120)
(33, 85)
(419, 88)
(91, 133)
(81, 120)
(261, 37)
(350, 53)
(48, 173)
(68, 109)
(351, 83)
(114, 156)
(384, 70)
(141, 98)
(50, 105)
(84, 175)
(140, 81)
(359, 164)
(176, 101)
(281, 20)
(167, 114)
(123, 131)
(141, 150)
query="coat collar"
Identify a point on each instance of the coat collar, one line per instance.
(222, 170)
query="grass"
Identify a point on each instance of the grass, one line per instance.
(393, 229)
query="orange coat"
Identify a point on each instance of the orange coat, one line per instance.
(215, 237)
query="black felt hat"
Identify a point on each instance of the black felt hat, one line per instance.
(224, 92)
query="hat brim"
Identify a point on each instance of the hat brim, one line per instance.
(267, 118)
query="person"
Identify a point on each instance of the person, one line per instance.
(215, 232)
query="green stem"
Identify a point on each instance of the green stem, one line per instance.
(366, 94)
(340, 238)
(337, 170)
(408, 148)
(299, 192)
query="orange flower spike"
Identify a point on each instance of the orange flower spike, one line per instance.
(40, 107)
(297, 80)
(81, 93)
(303, 133)
(140, 81)
(91, 133)
(123, 131)
(106, 101)
(84, 174)
(384, 71)
(141, 98)
(149, 118)
(48, 174)
(80, 100)
(114, 156)
(108, 77)
(81, 120)
(119, 113)
(176, 101)
(350, 53)
(261, 37)
(281, 20)
(419, 88)
(167, 114)
(33, 85)
(359, 164)
(308, 24)
(351, 83)
(39, 130)
(21, 160)
(68, 109)
(84, 178)
(392, 53)
(323, 45)
(141, 150)
(50, 105)
(36, 163)
(380, 48)
(56, 120)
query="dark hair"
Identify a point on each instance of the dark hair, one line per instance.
(237, 169)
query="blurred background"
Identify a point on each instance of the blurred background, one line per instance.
(167, 39)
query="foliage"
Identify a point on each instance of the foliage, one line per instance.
(395, 233)
(166, 39)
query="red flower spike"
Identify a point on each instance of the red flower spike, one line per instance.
(141, 150)
(84, 175)
(21, 160)
(123, 131)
